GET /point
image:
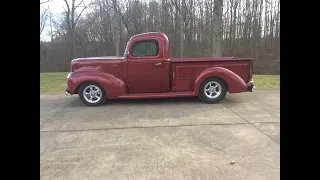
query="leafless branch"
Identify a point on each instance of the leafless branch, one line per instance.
(43, 20)
(77, 19)
(45, 1)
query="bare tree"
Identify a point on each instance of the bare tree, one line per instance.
(116, 25)
(240, 28)
(217, 28)
(72, 19)
(43, 19)
(43, 14)
(182, 10)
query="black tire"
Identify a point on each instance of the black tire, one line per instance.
(219, 97)
(103, 94)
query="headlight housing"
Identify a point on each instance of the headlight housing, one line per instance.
(68, 76)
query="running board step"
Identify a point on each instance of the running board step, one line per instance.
(157, 95)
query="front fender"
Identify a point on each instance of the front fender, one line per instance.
(113, 86)
(234, 82)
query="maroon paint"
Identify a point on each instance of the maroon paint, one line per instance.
(158, 76)
(111, 84)
(234, 82)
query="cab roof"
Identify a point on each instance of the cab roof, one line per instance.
(150, 34)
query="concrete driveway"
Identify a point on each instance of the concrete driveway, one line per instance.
(161, 138)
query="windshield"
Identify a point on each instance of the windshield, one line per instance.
(126, 50)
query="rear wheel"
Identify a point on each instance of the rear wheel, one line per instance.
(212, 90)
(92, 94)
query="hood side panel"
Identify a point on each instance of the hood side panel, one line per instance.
(111, 66)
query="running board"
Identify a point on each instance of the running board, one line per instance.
(157, 95)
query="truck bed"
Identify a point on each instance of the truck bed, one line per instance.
(186, 70)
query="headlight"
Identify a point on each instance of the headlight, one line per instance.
(68, 76)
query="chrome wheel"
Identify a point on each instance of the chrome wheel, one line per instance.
(212, 89)
(92, 93)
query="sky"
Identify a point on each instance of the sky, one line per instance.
(56, 6)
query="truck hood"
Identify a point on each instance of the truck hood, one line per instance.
(99, 58)
(106, 64)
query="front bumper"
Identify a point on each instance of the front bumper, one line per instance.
(250, 86)
(67, 92)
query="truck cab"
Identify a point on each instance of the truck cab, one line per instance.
(147, 64)
(147, 71)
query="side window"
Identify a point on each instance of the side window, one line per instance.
(145, 48)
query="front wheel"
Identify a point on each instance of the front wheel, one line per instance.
(92, 94)
(212, 90)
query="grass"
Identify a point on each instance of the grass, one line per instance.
(53, 82)
(57, 82)
(266, 81)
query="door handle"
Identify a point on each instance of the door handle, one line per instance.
(158, 64)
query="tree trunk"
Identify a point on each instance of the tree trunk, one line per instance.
(182, 9)
(116, 26)
(217, 28)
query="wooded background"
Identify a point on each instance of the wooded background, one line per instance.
(195, 28)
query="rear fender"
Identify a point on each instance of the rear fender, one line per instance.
(113, 86)
(234, 82)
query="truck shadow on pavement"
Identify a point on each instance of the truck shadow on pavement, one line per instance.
(156, 101)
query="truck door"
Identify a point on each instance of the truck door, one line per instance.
(148, 71)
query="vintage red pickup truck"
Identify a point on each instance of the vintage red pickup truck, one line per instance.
(147, 71)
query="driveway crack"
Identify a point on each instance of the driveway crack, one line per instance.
(58, 112)
(149, 127)
(252, 124)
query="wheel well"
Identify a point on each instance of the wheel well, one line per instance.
(77, 90)
(218, 78)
